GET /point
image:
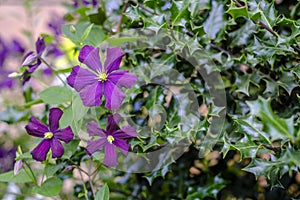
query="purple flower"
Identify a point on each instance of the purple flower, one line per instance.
(33, 60)
(51, 135)
(7, 159)
(97, 81)
(110, 139)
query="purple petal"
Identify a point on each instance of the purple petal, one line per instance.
(122, 78)
(94, 129)
(113, 121)
(72, 77)
(65, 134)
(95, 145)
(84, 78)
(113, 95)
(29, 58)
(91, 95)
(95, 2)
(17, 47)
(122, 145)
(39, 153)
(110, 157)
(114, 56)
(36, 128)
(125, 132)
(54, 117)
(57, 148)
(32, 68)
(90, 56)
(40, 46)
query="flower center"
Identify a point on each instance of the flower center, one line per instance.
(110, 139)
(102, 76)
(48, 135)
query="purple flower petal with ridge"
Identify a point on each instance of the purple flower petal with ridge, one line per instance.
(36, 128)
(110, 157)
(84, 78)
(39, 153)
(72, 77)
(95, 145)
(57, 148)
(90, 56)
(122, 78)
(91, 95)
(114, 95)
(65, 134)
(113, 121)
(113, 60)
(54, 117)
(95, 130)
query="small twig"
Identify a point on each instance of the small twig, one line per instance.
(275, 149)
(221, 49)
(238, 4)
(134, 3)
(90, 180)
(267, 27)
(54, 71)
(121, 17)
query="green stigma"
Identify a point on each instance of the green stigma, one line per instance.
(102, 76)
(48, 135)
(110, 139)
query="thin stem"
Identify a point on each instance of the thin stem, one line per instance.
(84, 187)
(238, 4)
(267, 27)
(150, 11)
(121, 17)
(32, 174)
(90, 180)
(55, 72)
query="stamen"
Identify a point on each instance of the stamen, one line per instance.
(48, 135)
(110, 139)
(102, 76)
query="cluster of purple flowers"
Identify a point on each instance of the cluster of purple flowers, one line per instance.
(92, 82)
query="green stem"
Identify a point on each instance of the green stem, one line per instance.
(32, 174)
(54, 71)
(31, 103)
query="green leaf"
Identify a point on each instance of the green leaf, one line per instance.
(86, 32)
(21, 177)
(70, 149)
(117, 41)
(79, 110)
(237, 12)
(56, 95)
(210, 189)
(83, 33)
(276, 127)
(103, 193)
(51, 169)
(215, 23)
(50, 188)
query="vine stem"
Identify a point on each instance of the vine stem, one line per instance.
(32, 174)
(55, 72)
(89, 175)
(121, 17)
